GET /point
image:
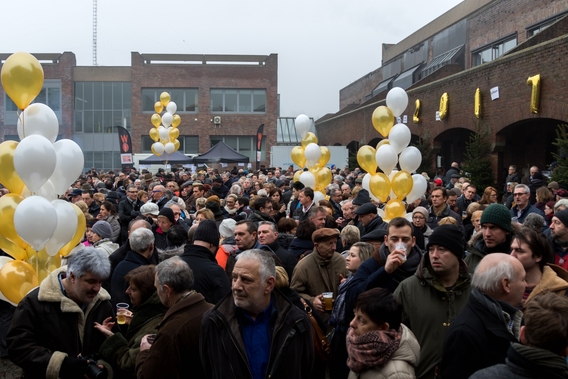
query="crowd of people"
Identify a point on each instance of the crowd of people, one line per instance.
(239, 274)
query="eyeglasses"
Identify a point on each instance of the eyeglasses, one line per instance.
(132, 191)
(418, 218)
(155, 191)
(520, 194)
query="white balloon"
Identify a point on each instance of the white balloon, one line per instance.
(66, 226)
(171, 108)
(69, 166)
(34, 221)
(46, 191)
(308, 179)
(312, 153)
(366, 181)
(408, 216)
(35, 160)
(318, 196)
(38, 119)
(397, 101)
(169, 148)
(303, 125)
(167, 119)
(3, 261)
(418, 188)
(399, 137)
(158, 148)
(164, 133)
(386, 158)
(381, 212)
(410, 159)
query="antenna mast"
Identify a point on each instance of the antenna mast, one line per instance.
(94, 32)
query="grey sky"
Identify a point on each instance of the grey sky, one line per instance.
(322, 46)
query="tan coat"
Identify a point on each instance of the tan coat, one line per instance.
(554, 279)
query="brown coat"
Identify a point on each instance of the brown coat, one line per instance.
(175, 352)
(554, 279)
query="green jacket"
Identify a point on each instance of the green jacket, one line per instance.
(429, 309)
(121, 351)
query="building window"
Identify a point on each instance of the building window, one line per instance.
(185, 99)
(102, 160)
(539, 27)
(187, 144)
(246, 145)
(238, 100)
(493, 51)
(102, 106)
(49, 95)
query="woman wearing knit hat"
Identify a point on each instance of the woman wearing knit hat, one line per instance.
(100, 237)
(419, 218)
(166, 220)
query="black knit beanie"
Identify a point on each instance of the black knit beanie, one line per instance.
(562, 216)
(448, 236)
(168, 213)
(362, 197)
(207, 231)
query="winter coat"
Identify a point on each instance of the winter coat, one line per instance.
(525, 362)
(434, 218)
(479, 337)
(223, 351)
(401, 365)
(121, 350)
(175, 351)
(429, 310)
(477, 250)
(115, 225)
(287, 259)
(118, 285)
(301, 247)
(257, 217)
(525, 212)
(48, 326)
(106, 246)
(554, 279)
(127, 211)
(210, 279)
(169, 252)
(376, 224)
(160, 240)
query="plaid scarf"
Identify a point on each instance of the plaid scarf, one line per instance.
(373, 349)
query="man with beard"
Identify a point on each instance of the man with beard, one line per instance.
(558, 239)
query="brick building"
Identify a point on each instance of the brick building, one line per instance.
(485, 44)
(218, 97)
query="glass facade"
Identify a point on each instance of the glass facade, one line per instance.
(238, 101)
(493, 51)
(50, 95)
(185, 99)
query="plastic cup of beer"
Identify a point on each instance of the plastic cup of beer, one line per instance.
(121, 310)
(401, 246)
(328, 300)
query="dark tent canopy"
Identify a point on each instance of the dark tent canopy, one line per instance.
(221, 153)
(176, 157)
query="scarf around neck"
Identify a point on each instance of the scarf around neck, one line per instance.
(372, 349)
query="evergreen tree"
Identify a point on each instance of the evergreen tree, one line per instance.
(425, 146)
(560, 173)
(477, 165)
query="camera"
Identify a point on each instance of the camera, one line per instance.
(93, 371)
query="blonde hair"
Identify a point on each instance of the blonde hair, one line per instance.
(448, 220)
(99, 197)
(205, 213)
(281, 277)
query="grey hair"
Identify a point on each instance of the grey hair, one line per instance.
(262, 192)
(351, 234)
(524, 187)
(235, 189)
(489, 280)
(339, 178)
(267, 266)
(141, 239)
(176, 274)
(560, 203)
(132, 186)
(535, 221)
(271, 224)
(89, 259)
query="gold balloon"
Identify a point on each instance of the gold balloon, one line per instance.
(297, 175)
(324, 177)
(321, 188)
(158, 107)
(43, 264)
(22, 78)
(402, 184)
(298, 157)
(176, 121)
(383, 142)
(534, 81)
(176, 145)
(309, 138)
(477, 103)
(79, 233)
(155, 152)
(164, 98)
(17, 278)
(444, 105)
(380, 186)
(156, 120)
(8, 205)
(174, 134)
(8, 175)
(366, 159)
(394, 208)
(383, 120)
(325, 155)
(154, 134)
(416, 116)
(12, 249)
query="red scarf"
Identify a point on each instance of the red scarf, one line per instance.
(372, 349)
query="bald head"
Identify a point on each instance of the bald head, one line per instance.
(137, 224)
(501, 277)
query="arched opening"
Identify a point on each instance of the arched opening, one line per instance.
(449, 146)
(374, 142)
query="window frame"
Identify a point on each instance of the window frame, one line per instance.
(253, 92)
(180, 108)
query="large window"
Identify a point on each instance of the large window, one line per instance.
(185, 99)
(539, 27)
(246, 145)
(238, 100)
(102, 160)
(50, 95)
(494, 50)
(187, 144)
(102, 106)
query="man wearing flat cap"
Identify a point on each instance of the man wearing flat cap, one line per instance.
(321, 271)
(369, 218)
(435, 295)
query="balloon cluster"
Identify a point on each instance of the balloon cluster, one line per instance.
(165, 131)
(312, 156)
(392, 186)
(37, 228)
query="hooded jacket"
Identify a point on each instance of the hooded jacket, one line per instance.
(429, 310)
(478, 250)
(554, 279)
(48, 326)
(106, 246)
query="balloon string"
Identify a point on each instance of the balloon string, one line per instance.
(37, 263)
(20, 115)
